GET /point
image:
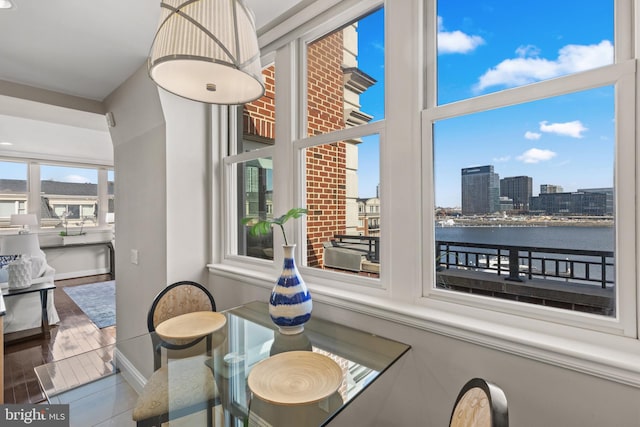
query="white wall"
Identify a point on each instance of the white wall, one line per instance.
(70, 262)
(161, 199)
(187, 187)
(421, 389)
(139, 160)
(79, 261)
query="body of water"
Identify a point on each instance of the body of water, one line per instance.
(586, 238)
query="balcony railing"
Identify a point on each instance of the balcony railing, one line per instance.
(369, 245)
(519, 263)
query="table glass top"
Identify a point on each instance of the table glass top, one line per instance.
(247, 338)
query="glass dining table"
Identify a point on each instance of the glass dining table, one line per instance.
(247, 340)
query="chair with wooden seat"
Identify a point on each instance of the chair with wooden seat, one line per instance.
(480, 404)
(193, 388)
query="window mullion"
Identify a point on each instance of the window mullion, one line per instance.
(285, 100)
(33, 197)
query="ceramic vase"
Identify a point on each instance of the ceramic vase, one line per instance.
(290, 302)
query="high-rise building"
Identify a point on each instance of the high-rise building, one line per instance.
(579, 203)
(480, 190)
(519, 189)
(550, 189)
(609, 193)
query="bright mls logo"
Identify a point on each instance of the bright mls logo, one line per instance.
(34, 415)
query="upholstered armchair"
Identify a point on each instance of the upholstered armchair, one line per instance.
(24, 311)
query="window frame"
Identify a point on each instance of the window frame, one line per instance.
(287, 153)
(231, 201)
(327, 277)
(34, 190)
(622, 75)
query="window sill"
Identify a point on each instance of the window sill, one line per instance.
(607, 356)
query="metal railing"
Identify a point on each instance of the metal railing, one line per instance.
(523, 262)
(369, 245)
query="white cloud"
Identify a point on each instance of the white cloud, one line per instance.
(528, 50)
(456, 41)
(528, 67)
(532, 135)
(78, 179)
(573, 129)
(536, 155)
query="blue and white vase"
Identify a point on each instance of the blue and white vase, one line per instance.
(290, 302)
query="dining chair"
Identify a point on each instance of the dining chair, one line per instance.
(193, 388)
(480, 403)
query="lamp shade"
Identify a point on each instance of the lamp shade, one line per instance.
(23, 219)
(207, 51)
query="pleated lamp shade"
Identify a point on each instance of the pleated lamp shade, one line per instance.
(207, 50)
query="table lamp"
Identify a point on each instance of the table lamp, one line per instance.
(25, 220)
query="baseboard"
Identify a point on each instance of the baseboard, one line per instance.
(129, 372)
(81, 273)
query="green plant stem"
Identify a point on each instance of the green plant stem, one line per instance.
(283, 234)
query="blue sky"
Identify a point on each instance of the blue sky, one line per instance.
(371, 61)
(13, 170)
(487, 46)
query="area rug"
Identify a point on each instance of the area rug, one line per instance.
(97, 301)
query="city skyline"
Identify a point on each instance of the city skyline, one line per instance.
(483, 191)
(534, 193)
(489, 46)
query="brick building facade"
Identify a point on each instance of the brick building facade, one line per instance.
(330, 72)
(326, 164)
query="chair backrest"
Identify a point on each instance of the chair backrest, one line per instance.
(176, 299)
(179, 298)
(480, 404)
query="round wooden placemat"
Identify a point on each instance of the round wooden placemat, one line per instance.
(295, 378)
(191, 325)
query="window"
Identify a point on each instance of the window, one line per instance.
(339, 148)
(65, 191)
(455, 113)
(257, 202)
(344, 92)
(250, 170)
(70, 195)
(523, 177)
(110, 218)
(13, 190)
(491, 46)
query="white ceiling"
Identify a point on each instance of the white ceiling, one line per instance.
(84, 48)
(87, 48)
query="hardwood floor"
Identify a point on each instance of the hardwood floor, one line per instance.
(74, 334)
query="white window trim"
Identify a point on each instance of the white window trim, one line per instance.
(326, 277)
(291, 92)
(623, 77)
(230, 172)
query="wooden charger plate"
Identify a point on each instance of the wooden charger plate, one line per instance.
(191, 325)
(295, 378)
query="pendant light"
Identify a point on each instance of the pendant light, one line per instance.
(207, 51)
